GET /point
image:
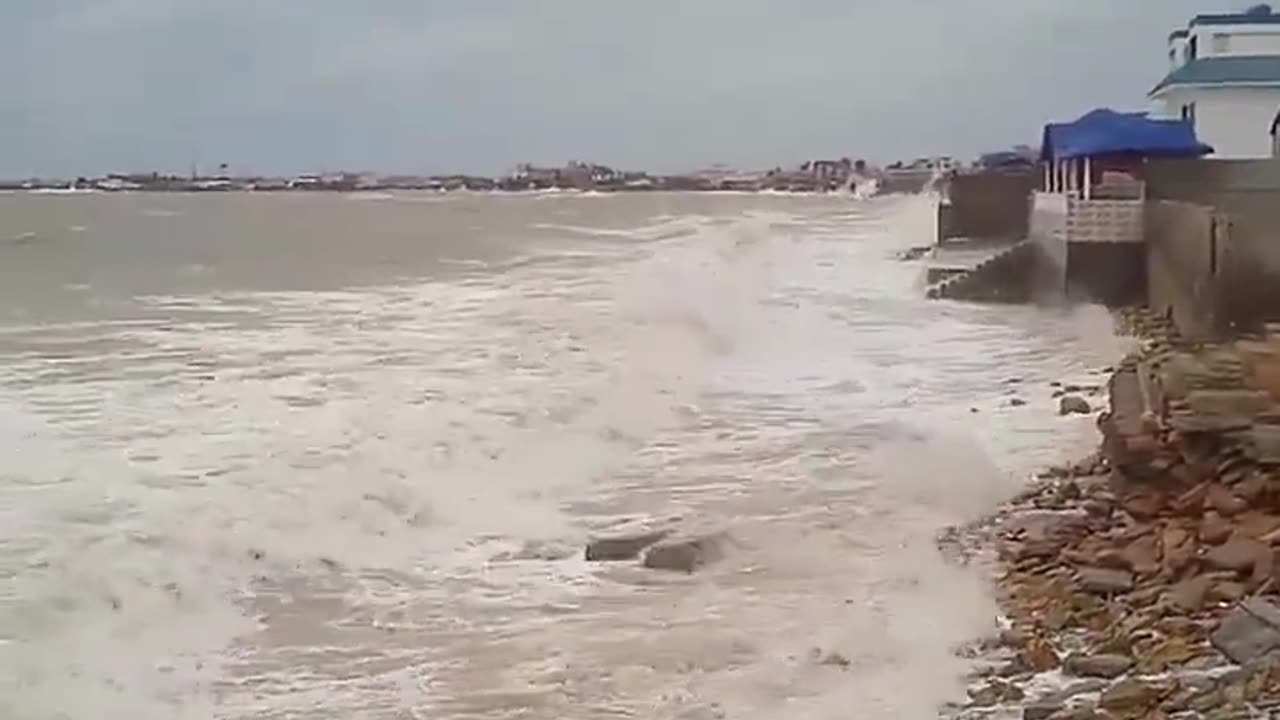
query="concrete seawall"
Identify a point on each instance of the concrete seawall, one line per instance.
(986, 205)
(1203, 248)
(1215, 235)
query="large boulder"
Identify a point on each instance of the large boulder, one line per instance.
(622, 547)
(1074, 405)
(1250, 633)
(686, 554)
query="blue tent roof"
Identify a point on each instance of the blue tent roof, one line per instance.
(1107, 132)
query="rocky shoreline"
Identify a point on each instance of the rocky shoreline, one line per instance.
(1144, 581)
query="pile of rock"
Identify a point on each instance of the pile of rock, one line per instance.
(1151, 571)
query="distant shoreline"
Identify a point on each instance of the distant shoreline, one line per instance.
(889, 184)
(811, 178)
(423, 190)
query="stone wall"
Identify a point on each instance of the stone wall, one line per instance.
(987, 205)
(1247, 256)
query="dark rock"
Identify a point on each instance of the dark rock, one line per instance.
(1104, 581)
(1189, 595)
(1243, 404)
(1073, 405)
(994, 693)
(1214, 529)
(1250, 633)
(834, 659)
(1040, 710)
(1038, 655)
(1228, 592)
(1221, 499)
(1238, 554)
(1129, 696)
(1263, 610)
(1087, 712)
(685, 555)
(623, 547)
(1054, 704)
(1016, 402)
(1097, 666)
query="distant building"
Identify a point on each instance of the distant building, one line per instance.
(1224, 77)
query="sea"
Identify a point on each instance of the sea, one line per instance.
(311, 455)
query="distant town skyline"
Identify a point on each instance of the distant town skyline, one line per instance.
(95, 86)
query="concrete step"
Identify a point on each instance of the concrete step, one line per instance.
(1004, 277)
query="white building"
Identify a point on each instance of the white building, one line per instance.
(1224, 77)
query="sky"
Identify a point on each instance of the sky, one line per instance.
(425, 86)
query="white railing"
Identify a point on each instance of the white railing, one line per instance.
(1104, 221)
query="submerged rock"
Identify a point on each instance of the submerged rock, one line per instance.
(685, 554)
(622, 547)
(1074, 405)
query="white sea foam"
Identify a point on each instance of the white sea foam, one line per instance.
(369, 500)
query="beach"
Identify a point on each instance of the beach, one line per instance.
(1140, 581)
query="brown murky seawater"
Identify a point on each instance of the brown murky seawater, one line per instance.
(315, 456)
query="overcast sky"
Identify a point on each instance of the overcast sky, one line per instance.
(479, 85)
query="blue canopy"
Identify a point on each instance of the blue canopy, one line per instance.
(1107, 132)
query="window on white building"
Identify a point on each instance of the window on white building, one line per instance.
(1221, 43)
(1275, 136)
(1189, 113)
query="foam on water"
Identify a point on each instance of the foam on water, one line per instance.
(370, 501)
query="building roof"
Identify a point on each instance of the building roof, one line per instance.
(1226, 70)
(1256, 15)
